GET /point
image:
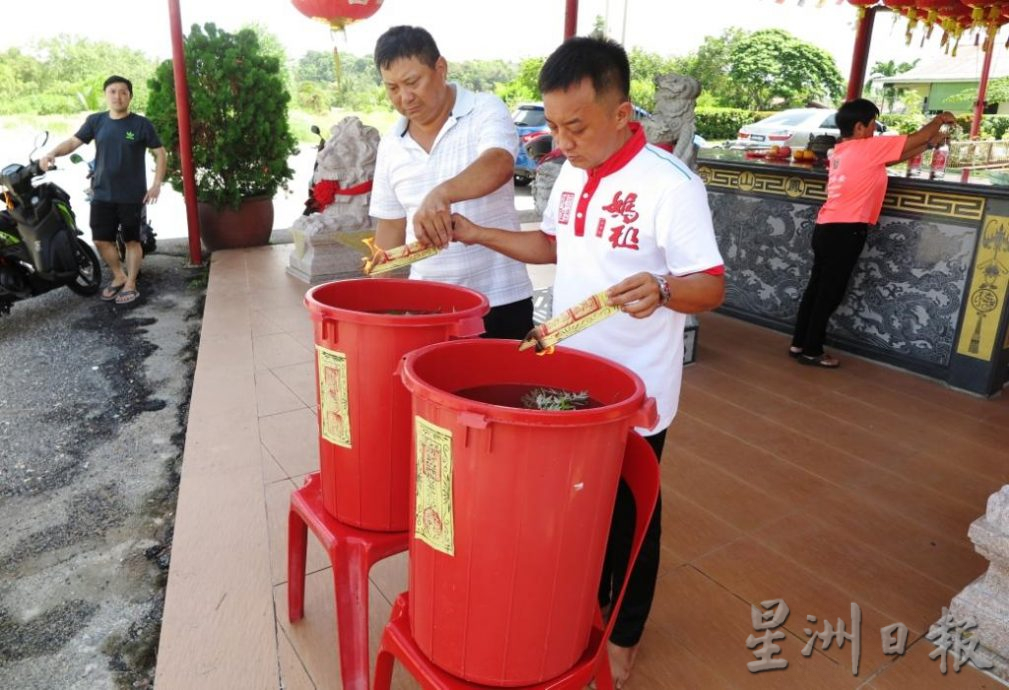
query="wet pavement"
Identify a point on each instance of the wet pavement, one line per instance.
(93, 406)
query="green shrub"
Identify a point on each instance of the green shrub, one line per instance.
(313, 97)
(724, 123)
(994, 126)
(903, 124)
(240, 131)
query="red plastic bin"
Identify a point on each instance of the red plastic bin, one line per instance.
(364, 411)
(512, 507)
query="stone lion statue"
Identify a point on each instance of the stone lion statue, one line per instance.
(673, 119)
(325, 244)
(349, 154)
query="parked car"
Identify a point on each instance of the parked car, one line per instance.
(535, 139)
(531, 122)
(792, 128)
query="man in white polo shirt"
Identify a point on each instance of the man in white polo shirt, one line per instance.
(633, 220)
(453, 150)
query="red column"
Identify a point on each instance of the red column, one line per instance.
(570, 19)
(982, 89)
(860, 55)
(185, 141)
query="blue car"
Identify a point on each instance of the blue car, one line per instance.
(531, 122)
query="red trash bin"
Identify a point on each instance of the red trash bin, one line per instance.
(512, 506)
(363, 327)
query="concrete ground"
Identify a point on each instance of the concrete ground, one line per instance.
(93, 406)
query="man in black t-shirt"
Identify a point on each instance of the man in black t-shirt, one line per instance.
(120, 187)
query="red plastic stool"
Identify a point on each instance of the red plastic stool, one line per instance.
(641, 473)
(352, 552)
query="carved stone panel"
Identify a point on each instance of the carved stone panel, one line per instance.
(904, 296)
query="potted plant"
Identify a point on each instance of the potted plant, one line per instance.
(240, 133)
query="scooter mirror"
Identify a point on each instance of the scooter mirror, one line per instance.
(40, 141)
(316, 131)
(76, 158)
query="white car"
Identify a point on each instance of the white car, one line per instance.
(791, 128)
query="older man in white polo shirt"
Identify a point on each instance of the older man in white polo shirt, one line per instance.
(631, 219)
(453, 150)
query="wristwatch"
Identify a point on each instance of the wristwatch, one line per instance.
(665, 294)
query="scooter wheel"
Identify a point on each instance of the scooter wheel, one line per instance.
(89, 270)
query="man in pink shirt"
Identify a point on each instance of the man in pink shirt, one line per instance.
(856, 185)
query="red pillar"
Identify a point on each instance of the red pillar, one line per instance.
(185, 140)
(860, 55)
(982, 90)
(570, 19)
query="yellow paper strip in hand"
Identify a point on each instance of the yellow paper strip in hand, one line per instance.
(574, 320)
(384, 260)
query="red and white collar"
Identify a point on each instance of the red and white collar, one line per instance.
(624, 155)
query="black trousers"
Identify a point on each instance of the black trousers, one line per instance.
(637, 603)
(511, 321)
(836, 248)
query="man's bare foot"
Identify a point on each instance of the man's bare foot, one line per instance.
(621, 663)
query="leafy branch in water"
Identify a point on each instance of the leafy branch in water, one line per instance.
(554, 399)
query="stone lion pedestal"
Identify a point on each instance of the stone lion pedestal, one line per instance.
(327, 245)
(986, 600)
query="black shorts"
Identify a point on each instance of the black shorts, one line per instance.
(107, 217)
(510, 321)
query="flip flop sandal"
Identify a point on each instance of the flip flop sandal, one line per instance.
(822, 361)
(127, 296)
(110, 292)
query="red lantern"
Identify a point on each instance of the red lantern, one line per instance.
(936, 11)
(862, 6)
(337, 13)
(983, 11)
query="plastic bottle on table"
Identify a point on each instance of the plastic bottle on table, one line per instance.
(914, 166)
(940, 157)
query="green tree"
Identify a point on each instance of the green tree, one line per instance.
(772, 64)
(645, 66)
(598, 27)
(72, 64)
(270, 46)
(525, 85)
(240, 131)
(482, 75)
(317, 66)
(26, 72)
(710, 65)
(889, 68)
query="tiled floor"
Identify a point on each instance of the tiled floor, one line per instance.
(820, 488)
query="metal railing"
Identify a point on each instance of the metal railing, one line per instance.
(979, 155)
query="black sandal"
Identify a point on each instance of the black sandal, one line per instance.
(825, 361)
(794, 352)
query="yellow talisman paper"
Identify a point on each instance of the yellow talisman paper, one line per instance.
(334, 405)
(434, 521)
(574, 320)
(384, 260)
